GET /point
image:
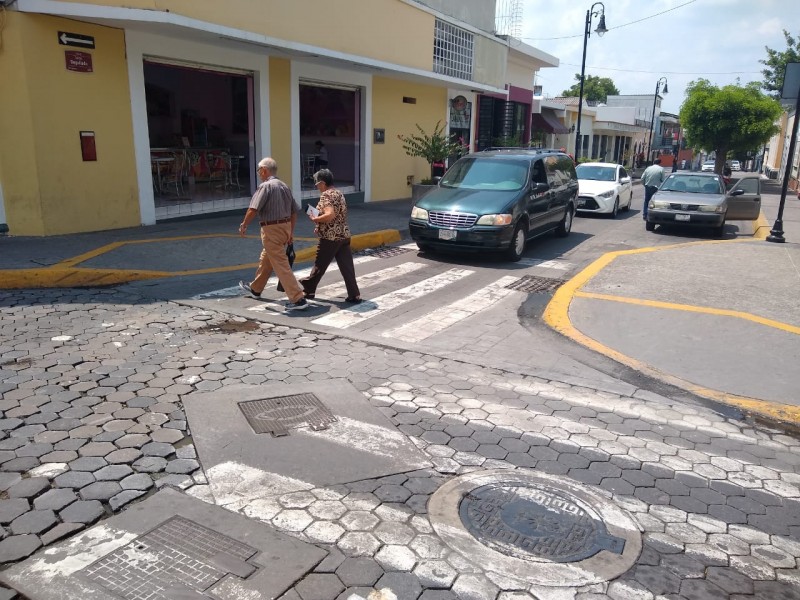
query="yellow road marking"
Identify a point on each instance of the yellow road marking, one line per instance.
(556, 315)
(722, 312)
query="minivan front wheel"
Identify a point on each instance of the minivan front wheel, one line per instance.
(517, 245)
(565, 226)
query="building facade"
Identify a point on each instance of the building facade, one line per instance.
(121, 114)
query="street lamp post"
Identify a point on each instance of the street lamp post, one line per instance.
(653, 116)
(587, 31)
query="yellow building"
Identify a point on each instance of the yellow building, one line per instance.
(119, 114)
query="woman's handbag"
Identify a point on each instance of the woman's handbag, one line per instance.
(290, 256)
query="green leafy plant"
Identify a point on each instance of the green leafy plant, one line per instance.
(434, 147)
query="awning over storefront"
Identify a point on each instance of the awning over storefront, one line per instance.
(547, 122)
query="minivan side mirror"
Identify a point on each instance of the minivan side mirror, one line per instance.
(537, 187)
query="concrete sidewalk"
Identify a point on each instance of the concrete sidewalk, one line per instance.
(718, 318)
(173, 248)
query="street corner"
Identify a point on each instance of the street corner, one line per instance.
(374, 239)
(71, 277)
(569, 314)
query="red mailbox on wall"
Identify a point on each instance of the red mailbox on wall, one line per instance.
(88, 149)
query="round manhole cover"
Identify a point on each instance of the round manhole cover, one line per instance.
(546, 530)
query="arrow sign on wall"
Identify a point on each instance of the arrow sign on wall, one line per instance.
(66, 38)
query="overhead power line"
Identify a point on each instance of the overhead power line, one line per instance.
(662, 72)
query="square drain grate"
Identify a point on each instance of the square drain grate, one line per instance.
(278, 415)
(532, 284)
(386, 251)
(176, 555)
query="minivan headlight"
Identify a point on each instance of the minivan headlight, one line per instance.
(419, 213)
(659, 204)
(495, 220)
(715, 208)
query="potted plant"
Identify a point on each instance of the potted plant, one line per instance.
(434, 147)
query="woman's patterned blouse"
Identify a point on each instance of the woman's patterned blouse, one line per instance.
(337, 229)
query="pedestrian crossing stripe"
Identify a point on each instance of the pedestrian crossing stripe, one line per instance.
(556, 263)
(446, 316)
(338, 289)
(232, 292)
(377, 306)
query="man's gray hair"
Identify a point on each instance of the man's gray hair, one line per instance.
(269, 164)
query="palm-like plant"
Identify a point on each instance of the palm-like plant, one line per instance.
(434, 147)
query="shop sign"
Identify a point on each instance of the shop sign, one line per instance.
(78, 61)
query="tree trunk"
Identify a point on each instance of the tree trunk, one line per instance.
(719, 162)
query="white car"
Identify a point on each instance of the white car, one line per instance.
(735, 165)
(603, 188)
(708, 166)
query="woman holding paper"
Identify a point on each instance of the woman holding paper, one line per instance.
(330, 218)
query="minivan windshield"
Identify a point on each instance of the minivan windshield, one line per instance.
(596, 173)
(481, 173)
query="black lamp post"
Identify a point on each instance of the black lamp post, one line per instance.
(601, 29)
(653, 116)
(791, 75)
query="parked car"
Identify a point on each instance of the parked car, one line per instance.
(735, 165)
(603, 188)
(700, 199)
(497, 200)
(708, 166)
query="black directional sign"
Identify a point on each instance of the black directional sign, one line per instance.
(65, 38)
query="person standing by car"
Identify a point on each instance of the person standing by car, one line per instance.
(652, 177)
(276, 210)
(334, 239)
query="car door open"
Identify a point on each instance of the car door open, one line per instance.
(744, 199)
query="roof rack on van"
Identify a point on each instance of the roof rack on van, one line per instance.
(518, 148)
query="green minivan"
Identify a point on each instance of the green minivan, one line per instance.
(497, 200)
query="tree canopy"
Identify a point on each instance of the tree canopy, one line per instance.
(776, 64)
(594, 88)
(732, 118)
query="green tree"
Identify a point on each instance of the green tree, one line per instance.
(433, 147)
(728, 119)
(776, 64)
(594, 88)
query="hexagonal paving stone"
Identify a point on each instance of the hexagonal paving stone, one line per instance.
(97, 449)
(60, 531)
(358, 543)
(15, 547)
(359, 572)
(35, 521)
(55, 499)
(113, 473)
(404, 585)
(74, 479)
(132, 440)
(11, 509)
(100, 490)
(169, 436)
(82, 511)
(319, 586)
(182, 466)
(29, 488)
(138, 481)
(324, 532)
(123, 456)
(396, 558)
(88, 463)
(158, 449)
(292, 520)
(124, 498)
(150, 464)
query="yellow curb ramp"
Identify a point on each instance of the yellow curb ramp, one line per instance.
(67, 273)
(556, 315)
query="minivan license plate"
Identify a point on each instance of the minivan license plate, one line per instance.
(447, 234)
(683, 217)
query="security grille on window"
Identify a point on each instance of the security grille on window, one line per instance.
(452, 51)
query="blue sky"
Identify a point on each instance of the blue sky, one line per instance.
(719, 40)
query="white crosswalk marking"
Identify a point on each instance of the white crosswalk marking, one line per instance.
(372, 308)
(364, 281)
(232, 292)
(444, 317)
(561, 265)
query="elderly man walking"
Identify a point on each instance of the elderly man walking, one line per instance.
(274, 207)
(652, 177)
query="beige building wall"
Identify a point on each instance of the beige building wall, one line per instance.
(391, 167)
(48, 189)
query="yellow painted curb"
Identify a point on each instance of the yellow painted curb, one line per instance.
(67, 273)
(762, 227)
(556, 315)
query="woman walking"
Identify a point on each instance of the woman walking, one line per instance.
(334, 238)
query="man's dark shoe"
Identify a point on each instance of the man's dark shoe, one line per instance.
(246, 288)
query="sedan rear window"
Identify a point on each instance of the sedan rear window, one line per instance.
(692, 184)
(486, 174)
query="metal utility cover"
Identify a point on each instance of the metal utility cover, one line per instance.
(532, 284)
(241, 465)
(278, 415)
(166, 547)
(387, 251)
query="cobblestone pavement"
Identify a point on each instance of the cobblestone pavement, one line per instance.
(92, 420)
